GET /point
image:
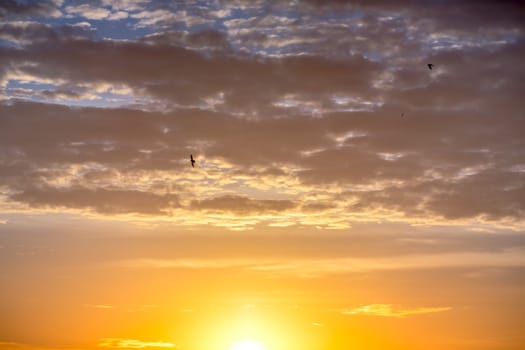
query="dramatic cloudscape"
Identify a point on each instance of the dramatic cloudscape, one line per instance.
(345, 194)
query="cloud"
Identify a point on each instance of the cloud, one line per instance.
(60, 94)
(149, 18)
(289, 103)
(242, 205)
(125, 5)
(121, 343)
(196, 76)
(88, 11)
(207, 40)
(6, 345)
(387, 310)
(104, 201)
(424, 180)
(118, 15)
(101, 13)
(25, 32)
(183, 263)
(486, 12)
(13, 9)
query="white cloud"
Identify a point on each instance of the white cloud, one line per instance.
(221, 13)
(147, 18)
(88, 11)
(83, 24)
(125, 5)
(118, 15)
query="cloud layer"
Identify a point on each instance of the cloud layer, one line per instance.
(293, 115)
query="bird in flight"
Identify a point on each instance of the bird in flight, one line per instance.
(430, 65)
(192, 161)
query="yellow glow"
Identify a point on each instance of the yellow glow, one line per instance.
(247, 345)
(248, 325)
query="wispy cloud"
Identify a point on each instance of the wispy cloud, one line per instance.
(306, 267)
(388, 310)
(121, 343)
(7, 345)
(184, 263)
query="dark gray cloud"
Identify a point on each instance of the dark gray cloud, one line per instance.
(16, 8)
(104, 201)
(448, 13)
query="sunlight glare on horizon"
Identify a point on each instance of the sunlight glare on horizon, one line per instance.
(247, 345)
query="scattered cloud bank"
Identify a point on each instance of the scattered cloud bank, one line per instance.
(296, 117)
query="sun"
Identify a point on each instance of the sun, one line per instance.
(247, 345)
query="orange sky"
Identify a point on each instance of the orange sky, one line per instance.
(344, 196)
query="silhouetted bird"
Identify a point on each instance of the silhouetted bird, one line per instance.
(430, 65)
(192, 161)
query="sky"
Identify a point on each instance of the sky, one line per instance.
(344, 195)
